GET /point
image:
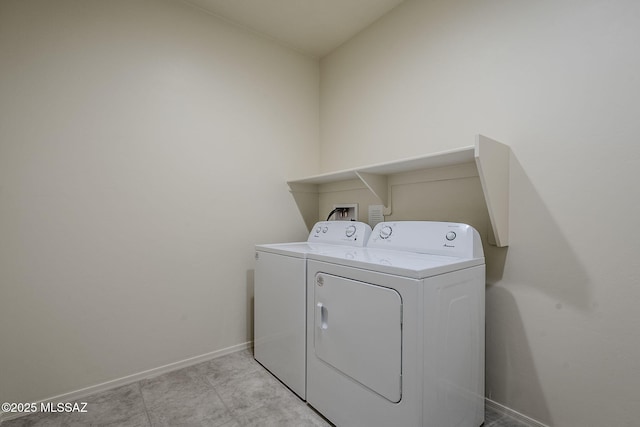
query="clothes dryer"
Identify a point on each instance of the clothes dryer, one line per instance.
(395, 331)
(280, 298)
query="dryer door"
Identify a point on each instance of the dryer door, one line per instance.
(358, 331)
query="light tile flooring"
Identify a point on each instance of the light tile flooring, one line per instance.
(230, 391)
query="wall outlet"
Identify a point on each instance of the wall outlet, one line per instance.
(345, 212)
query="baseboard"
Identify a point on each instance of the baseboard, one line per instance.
(513, 414)
(79, 394)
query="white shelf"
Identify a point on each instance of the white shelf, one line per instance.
(491, 159)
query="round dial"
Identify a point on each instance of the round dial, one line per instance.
(325, 229)
(350, 231)
(451, 235)
(385, 232)
(318, 229)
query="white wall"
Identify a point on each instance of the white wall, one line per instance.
(144, 148)
(558, 82)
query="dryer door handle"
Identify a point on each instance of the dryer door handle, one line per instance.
(322, 316)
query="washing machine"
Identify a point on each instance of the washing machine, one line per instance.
(280, 298)
(395, 330)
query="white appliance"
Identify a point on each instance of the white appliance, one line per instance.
(280, 298)
(395, 331)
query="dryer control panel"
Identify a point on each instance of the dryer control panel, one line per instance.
(430, 237)
(352, 233)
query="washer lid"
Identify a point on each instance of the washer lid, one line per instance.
(399, 263)
(297, 249)
(324, 234)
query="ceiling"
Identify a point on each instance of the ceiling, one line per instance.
(313, 27)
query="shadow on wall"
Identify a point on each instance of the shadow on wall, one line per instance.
(540, 260)
(541, 256)
(250, 303)
(495, 259)
(511, 377)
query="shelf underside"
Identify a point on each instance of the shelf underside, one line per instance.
(491, 159)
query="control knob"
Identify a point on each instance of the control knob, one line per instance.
(350, 231)
(385, 232)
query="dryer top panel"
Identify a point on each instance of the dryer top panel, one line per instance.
(398, 263)
(428, 237)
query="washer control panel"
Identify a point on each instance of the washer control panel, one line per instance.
(352, 233)
(432, 237)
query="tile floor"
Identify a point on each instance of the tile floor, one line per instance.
(230, 391)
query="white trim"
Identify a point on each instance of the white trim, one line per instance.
(84, 392)
(513, 414)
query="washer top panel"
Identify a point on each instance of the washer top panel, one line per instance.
(323, 236)
(298, 249)
(350, 233)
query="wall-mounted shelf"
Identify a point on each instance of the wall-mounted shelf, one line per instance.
(491, 159)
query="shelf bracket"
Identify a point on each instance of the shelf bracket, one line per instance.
(377, 184)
